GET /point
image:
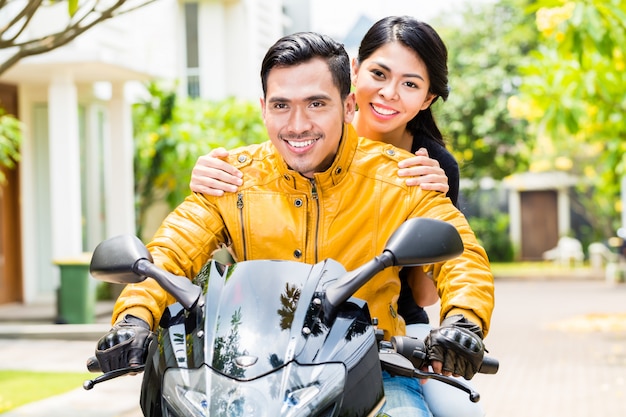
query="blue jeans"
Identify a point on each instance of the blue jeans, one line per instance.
(405, 397)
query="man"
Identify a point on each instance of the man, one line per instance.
(315, 191)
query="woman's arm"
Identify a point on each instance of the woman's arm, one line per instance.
(422, 286)
(213, 176)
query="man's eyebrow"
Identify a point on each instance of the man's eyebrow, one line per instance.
(386, 68)
(315, 97)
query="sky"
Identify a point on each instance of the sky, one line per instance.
(336, 17)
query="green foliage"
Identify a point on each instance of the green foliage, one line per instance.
(492, 231)
(573, 89)
(485, 53)
(10, 140)
(170, 135)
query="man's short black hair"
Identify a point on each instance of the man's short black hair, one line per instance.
(301, 47)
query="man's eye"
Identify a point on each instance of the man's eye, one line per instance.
(317, 104)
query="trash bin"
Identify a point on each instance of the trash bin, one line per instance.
(76, 296)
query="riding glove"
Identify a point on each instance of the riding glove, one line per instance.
(125, 345)
(458, 344)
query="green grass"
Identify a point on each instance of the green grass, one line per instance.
(22, 387)
(543, 269)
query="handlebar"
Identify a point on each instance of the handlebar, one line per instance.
(406, 356)
(414, 350)
(94, 366)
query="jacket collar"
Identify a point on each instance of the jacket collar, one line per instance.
(333, 175)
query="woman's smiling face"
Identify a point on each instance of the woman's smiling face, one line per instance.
(391, 87)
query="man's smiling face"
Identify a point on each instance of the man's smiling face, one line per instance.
(304, 115)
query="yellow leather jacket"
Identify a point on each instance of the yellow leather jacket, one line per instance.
(346, 213)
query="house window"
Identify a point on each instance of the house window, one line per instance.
(191, 47)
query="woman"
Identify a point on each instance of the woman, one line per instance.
(400, 70)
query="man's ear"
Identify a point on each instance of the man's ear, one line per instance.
(262, 102)
(349, 108)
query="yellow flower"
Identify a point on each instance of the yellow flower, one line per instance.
(520, 109)
(563, 163)
(542, 165)
(548, 18)
(590, 172)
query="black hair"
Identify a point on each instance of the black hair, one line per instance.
(426, 43)
(301, 47)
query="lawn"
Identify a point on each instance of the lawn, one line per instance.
(540, 269)
(22, 387)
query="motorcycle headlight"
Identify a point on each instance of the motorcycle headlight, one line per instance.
(292, 391)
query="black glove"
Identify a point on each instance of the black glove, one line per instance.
(458, 344)
(125, 345)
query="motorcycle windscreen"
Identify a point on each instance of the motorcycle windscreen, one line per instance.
(291, 391)
(249, 313)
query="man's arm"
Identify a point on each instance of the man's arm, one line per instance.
(182, 245)
(464, 283)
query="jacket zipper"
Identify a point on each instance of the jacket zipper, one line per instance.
(243, 232)
(317, 214)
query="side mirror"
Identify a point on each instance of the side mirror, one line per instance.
(125, 260)
(114, 260)
(422, 241)
(418, 241)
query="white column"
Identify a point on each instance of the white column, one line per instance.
(515, 220)
(119, 172)
(563, 213)
(65, 204)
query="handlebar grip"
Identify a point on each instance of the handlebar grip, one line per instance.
(93, 365)
(489, 366)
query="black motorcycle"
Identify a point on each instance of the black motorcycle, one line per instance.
(274, 338)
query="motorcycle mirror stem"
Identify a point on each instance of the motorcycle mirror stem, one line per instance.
(124, 259)
(418, 241)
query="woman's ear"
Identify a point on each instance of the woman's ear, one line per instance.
(355, 70)
(429, 100)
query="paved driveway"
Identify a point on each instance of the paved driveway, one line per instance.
(562, 350)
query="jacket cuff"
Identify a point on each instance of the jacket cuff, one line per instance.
(469, 315)
(140, 312)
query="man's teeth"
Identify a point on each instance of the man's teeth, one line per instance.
(301, 144)
(386, 112)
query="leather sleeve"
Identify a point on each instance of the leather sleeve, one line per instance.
(465, 284)
(182, 245)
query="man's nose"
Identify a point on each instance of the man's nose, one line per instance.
(299, 120)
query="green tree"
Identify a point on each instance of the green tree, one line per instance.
(485, 51)
(171, 134)
(573, 97)
(10, 140)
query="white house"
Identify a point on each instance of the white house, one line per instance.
(74, 185)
